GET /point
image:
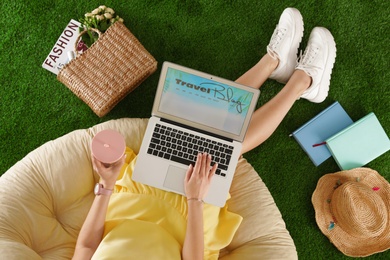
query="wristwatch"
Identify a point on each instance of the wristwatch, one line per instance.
(99, 190)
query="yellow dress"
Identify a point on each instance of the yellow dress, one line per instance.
(143, 222)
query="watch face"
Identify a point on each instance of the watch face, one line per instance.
(100, 190)
(97, 189)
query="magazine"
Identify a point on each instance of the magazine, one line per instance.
(63, 50)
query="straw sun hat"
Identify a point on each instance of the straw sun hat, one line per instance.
(353, 210)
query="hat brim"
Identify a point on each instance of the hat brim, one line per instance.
(346, 243)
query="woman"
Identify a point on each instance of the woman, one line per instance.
(308, 79)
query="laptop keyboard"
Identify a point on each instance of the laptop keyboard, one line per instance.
(175, 145)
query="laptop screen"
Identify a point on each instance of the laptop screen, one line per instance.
(206, 101)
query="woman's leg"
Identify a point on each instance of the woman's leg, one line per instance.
(310, 80)
(258, 74)
(279, 64)
(267, 118)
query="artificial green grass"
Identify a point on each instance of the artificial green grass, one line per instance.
(220, 37)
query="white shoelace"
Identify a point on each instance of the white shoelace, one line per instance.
(305, 61)
(276, 38)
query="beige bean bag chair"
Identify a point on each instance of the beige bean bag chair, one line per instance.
(45, 197)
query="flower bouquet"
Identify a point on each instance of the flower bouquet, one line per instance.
(100, 19)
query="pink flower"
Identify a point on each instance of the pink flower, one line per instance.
(81, 46)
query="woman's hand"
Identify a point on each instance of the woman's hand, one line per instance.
(108, 173)
(198, 177)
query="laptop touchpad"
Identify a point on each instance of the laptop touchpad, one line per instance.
(175, 179)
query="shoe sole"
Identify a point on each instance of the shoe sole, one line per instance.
(323, 91)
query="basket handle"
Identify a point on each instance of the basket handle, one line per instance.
(84, 32)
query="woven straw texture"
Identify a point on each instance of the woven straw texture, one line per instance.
(353, 210)
(109, 70)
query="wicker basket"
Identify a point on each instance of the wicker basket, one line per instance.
(109, 70)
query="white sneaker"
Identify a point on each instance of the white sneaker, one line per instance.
(317, 61)
(285, 42)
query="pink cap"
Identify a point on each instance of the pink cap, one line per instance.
(108, 146)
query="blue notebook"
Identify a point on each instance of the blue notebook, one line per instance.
(311, 135)
(359, 144)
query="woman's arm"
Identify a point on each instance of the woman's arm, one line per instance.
(92, 230)
(197, 184)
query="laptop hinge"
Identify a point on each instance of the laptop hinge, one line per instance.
(197, 130)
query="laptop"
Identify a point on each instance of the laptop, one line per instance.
(194, 112)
